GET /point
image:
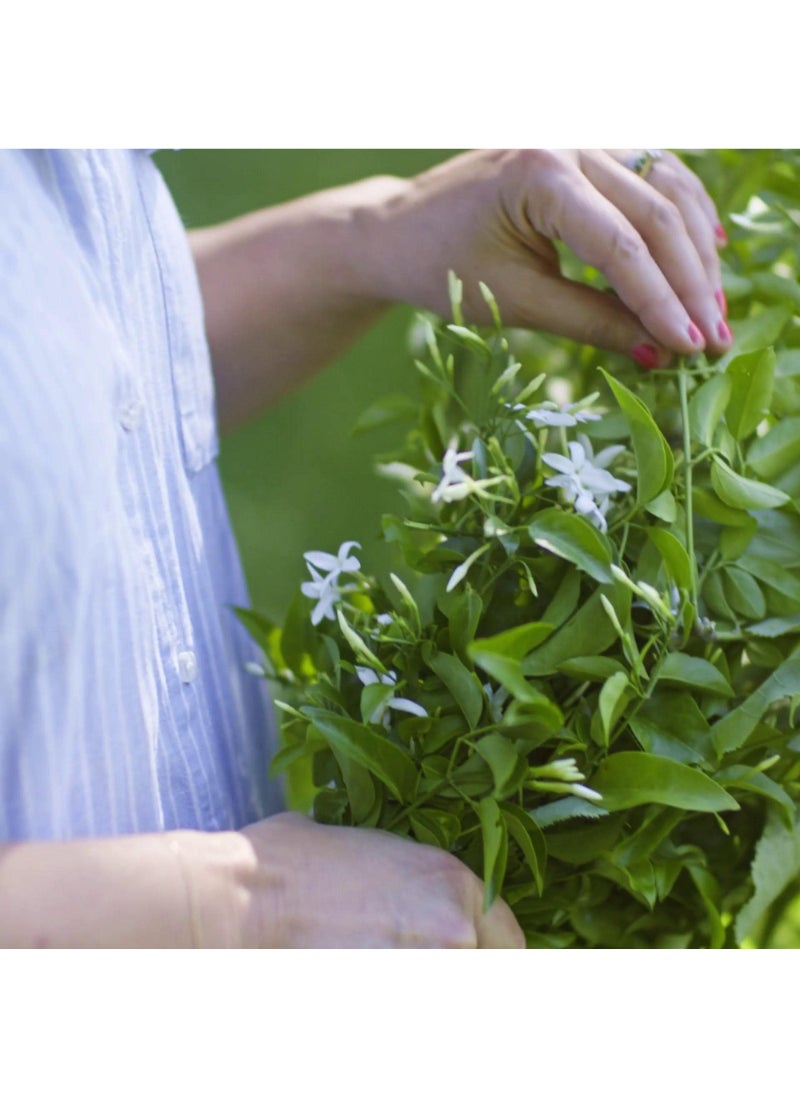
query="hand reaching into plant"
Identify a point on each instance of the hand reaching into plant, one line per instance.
(325, 886)
(342, 256)
(492, 216)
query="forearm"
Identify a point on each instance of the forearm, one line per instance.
(181, 889)
(289, 288)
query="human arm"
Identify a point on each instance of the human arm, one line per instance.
(284, 882)
(288, 288)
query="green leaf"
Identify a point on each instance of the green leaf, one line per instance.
(385, 760)
(735, 728)
(708, 889)
(706, 505)
(776, 865)
(495, 849)
(507, 671)
(569, 806)
(744, 777)
(508, 767)
(671, 724)
(631, 779)
(741, 493)
(776, 450)
(613, 699)
(771, 574)
(654, 459)
(694, 673)
(575, 539)
(676, 558)
(514, 642)
(587, 632)
(529, 838)
(463, 609)
(751, 392)
(707, 406)
(461, 683)
(743, 593)
(591, 667)
(664, 507)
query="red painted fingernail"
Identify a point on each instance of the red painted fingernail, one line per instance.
(645, 355)
(724, 332)
(696, 335)
(721, 300)
(720, 233)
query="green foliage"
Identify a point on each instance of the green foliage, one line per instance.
(585, 682)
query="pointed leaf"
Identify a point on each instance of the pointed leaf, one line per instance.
(706, 407)
(741, 493)
(507, 765)
(654, 461)
(735, 728)
(514, 643)
(462, 684)
(495, 849)
(529, 838)
(696, 673)
(631, 779)
(385, 760)
(573, 538)
(751, 392)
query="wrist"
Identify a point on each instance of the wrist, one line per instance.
(217, 872)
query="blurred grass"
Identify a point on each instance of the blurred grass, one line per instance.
(295, 479)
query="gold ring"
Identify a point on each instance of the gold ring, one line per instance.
(643, 164)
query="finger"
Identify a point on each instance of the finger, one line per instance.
(661, 226)
(671, 167)
(680, 185)
(499, 928)
(587, 315)
(600, 234)
(673, 239)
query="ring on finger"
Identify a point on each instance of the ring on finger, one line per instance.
(643, 164)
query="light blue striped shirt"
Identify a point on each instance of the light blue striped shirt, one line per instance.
(124, 704)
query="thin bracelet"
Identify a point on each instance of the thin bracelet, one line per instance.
(194, 919)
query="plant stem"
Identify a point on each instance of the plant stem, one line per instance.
(687, 480)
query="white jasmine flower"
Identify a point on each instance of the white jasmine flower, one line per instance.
(455, 483)
(380, 714)
(341, 563)
(564, 416)
(325, 589)
(584, 479)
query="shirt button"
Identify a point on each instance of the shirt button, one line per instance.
(187, 667)
(131, 415)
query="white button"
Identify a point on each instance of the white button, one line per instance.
(131, 415)
(187, 667)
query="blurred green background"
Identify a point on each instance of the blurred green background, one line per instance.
(295, 479)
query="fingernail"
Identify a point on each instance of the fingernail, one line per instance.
(720, 233)
(721, 300)
(724, 332)
(696, 335)
(645, 355)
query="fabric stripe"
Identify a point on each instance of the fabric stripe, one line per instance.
(116, 554)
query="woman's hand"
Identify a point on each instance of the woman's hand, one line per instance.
(316, 886)
(287, 289)
(493, 216)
